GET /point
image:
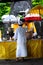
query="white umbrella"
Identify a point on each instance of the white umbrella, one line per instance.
(4, 16)
(10, 18)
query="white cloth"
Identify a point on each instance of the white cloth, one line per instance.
(21, 42)
(19, 22)
(0, 39)
(34, 34)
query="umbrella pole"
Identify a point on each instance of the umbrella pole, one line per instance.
(9, 24)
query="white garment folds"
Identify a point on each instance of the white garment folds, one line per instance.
(21, 50)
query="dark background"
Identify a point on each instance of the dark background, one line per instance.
(9, 0)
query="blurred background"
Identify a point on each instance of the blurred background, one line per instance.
(14, 6)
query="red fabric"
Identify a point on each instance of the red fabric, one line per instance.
(33, 18)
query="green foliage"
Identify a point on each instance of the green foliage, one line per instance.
(20, 16)
(36, 2)
(4, 8)
(41, 2)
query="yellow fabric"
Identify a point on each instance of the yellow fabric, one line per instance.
(34, 47)
(2, 51)
(0, 33)
(29, 25)
(15, 26)
(35, 10)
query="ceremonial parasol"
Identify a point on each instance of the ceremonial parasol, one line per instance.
(37, 7)
(9, 18)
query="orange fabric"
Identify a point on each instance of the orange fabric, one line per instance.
(29, 26)
(15, 26)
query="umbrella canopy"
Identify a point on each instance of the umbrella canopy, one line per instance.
(9, 18)
(37, 9)
(32, 17)
(4, 16)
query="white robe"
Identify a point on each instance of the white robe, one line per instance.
(21, 50)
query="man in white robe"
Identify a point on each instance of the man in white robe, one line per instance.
(20, 36)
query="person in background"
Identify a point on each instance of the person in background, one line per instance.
(10, 33)
(21, 50)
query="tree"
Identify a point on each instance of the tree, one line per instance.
(4, 8)
(36, 2)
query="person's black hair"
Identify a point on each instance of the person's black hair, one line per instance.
(23, 20)
(20, 24)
